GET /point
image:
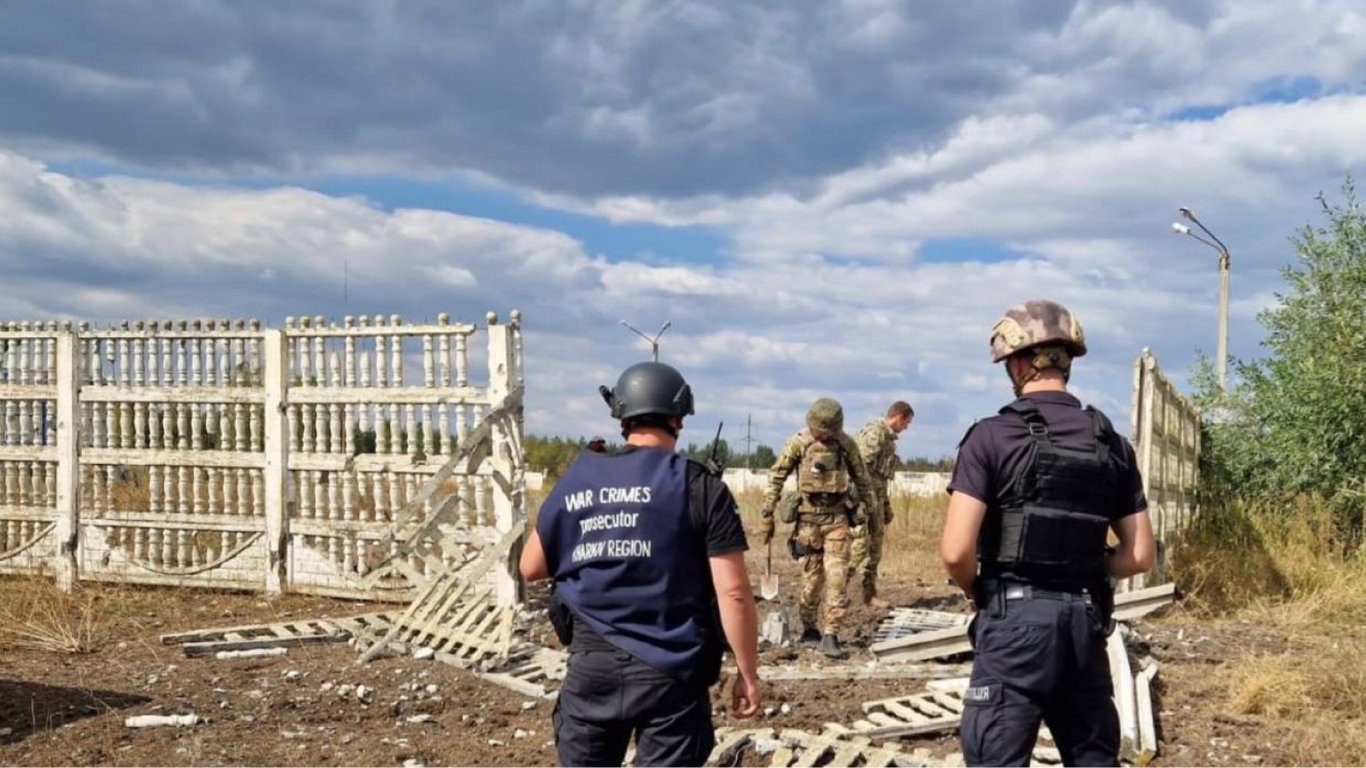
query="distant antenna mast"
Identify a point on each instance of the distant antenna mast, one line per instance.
(654, 342)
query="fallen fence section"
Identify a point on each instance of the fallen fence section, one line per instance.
(911, 715)
(876, 671)
(282, 634)
(923, 646)
(456, 613)
(792, 747)
(904, 622)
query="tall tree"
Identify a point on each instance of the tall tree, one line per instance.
(1296, 424)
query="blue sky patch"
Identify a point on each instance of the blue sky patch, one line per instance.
(955, 250)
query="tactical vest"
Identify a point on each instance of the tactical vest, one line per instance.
(1051, 527)
(823, 468)
(627, 559)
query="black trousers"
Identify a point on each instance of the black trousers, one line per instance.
(1039, 659)
(609, 696)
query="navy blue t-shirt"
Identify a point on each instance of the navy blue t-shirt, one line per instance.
(994, 448)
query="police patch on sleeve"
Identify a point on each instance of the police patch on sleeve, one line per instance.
(982, 695)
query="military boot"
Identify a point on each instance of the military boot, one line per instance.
(811, 637)
(830, 646)
(871, 599)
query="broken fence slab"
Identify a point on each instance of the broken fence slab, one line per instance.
(912, 715)
(276, 635)
(904, 622)
(874, 671)
(1147, 718)
(1141, 602)
(924, 646)
(793, 747)
(953, 640)
(1122, 678)
(457, 613)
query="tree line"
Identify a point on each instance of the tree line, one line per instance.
(552, 455)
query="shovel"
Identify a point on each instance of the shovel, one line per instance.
(768, 583)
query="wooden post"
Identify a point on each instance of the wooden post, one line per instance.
(275, 374)
(67, 566)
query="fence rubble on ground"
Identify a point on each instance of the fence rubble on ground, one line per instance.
(919, 644)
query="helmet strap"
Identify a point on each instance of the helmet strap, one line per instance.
(1039, 361)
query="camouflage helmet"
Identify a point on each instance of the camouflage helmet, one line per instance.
(1034, 324)
(825, 417)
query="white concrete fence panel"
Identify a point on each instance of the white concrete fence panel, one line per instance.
(1166, 435)
(220, 453)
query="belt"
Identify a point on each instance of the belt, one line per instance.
(1027, 592)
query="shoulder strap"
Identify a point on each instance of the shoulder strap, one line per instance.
(1033, 419)
(1104, 433)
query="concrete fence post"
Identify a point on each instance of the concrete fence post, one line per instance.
(502, 375)
(68, 523)
(275, 376)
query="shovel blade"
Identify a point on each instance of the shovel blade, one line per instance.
(768, 587)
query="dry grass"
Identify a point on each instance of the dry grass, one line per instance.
(917, 523)
(1284, 574)
(39, 615)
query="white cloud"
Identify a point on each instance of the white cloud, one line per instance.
(834, 146)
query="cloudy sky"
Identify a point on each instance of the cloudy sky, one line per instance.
(825, 198)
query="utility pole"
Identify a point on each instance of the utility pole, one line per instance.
(1224, 263)
(749, 452)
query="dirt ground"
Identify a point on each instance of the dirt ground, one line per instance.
(303, 708)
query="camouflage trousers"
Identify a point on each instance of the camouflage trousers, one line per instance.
(866, 551)
(825, 570)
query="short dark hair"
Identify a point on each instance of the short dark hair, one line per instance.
(900, 408)
(648, 420)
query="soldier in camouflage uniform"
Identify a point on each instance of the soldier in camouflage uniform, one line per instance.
(831, 483)
(877, 447)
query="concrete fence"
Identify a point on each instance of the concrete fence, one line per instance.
(220, 453)
(908, 483)
(1166, 430)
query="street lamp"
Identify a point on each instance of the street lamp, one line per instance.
(654, 343)
(1224, 259)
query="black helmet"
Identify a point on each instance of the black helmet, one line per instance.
(649, 388)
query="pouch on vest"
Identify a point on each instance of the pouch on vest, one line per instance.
(787, 507)
(561, 619)
(822, 469)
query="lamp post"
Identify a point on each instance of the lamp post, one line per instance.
(1224, 259)
(654, 343)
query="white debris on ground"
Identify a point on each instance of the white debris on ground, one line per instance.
(156, 721)
(251, 653)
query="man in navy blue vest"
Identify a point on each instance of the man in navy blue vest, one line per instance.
(1036, 490)
(646, 550)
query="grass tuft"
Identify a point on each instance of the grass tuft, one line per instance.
(39, 615)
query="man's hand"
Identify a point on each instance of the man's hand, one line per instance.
(766, 528)
(859, 517)
(745, 697)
